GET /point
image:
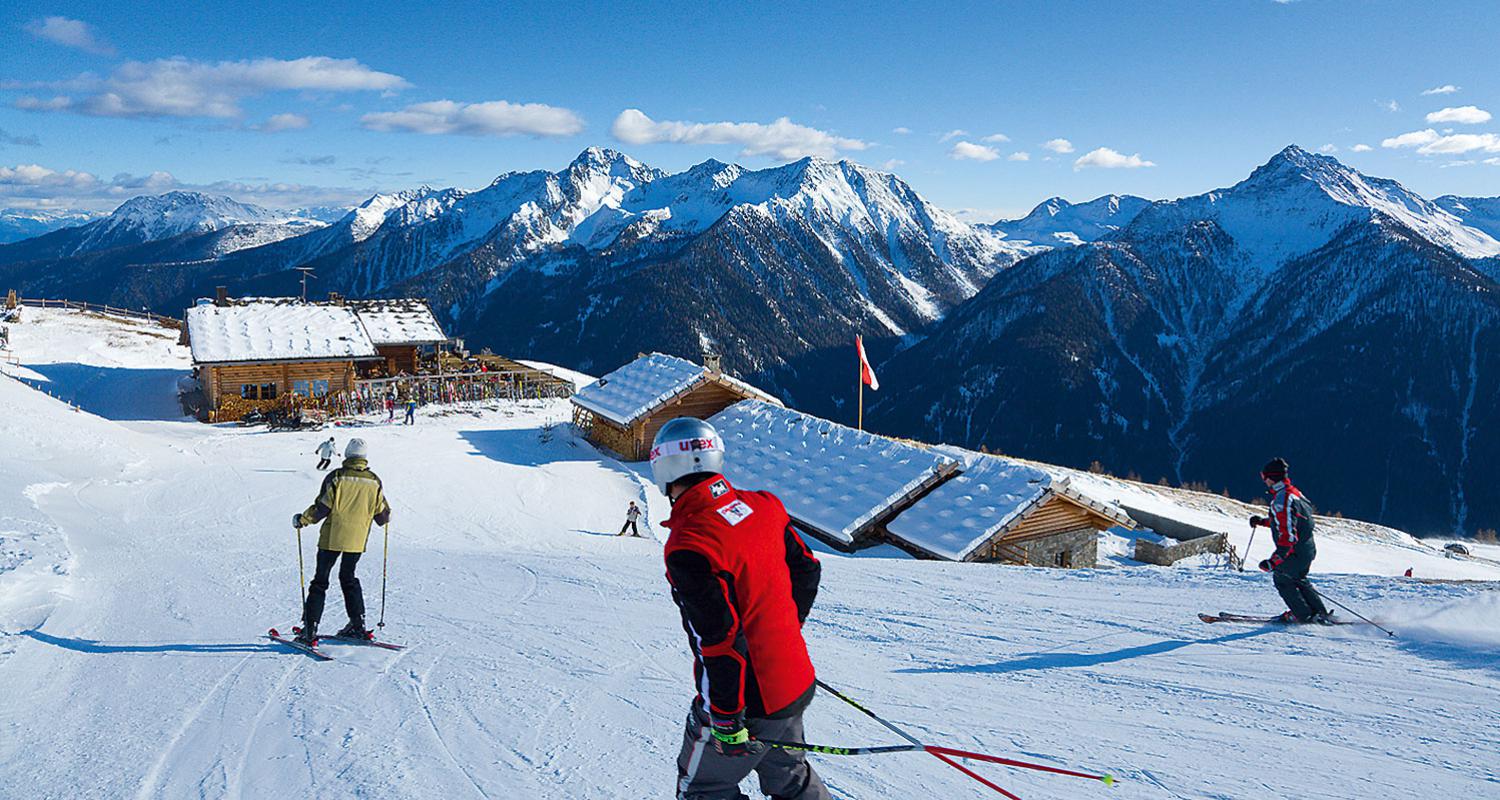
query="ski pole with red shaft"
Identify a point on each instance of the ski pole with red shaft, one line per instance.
(879, 750)
(944, 753)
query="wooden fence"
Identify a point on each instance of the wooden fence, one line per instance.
(99, 308)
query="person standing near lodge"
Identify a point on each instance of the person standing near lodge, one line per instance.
(1291, 524)
(411, 411)
(744, 583)
(390, 406)
(351, 499)
(632, 513)
(325, 454)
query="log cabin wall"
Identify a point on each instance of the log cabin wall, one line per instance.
(223, 384)
(399, 358)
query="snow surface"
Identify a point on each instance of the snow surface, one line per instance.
(140, 562)
(831, 478)
(275, 331)
(628, 393)
(969, 509)
(399, 322)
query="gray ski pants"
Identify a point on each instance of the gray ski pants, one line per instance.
(703, 773)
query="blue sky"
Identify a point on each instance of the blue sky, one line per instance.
(293, 103)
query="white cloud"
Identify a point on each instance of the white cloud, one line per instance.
(1462, 115)
(1493, 161)
(1460, 143)
(1019, 156)
(283, 122)
(1446, 88)
(953, 134)
(1429, 142)
(1058, 145)
(178, 87)
(33, 186)
(70, 33)
(1361, 148)
(1389, 105)
(780, 139)
(890, 164)
(494, 118)
(1469, 163)
(901, 131)
(968, 151)
(1412, 139)
(1105, 158)
(996, 138)
(1328, 149)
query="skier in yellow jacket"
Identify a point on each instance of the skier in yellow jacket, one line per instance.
(351, 499)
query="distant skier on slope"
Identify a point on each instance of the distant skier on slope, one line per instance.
(411, 412)
(1291, 524)
(351, 499)
(325, 453)
(744, 582)
(632, 513)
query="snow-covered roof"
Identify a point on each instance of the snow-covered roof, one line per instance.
(647, 383)
(966, 512)
(272, 330)
(399, 322)
(833, 480)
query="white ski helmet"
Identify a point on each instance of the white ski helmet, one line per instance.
(356, 448)
(682, 447)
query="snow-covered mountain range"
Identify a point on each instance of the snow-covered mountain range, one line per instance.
(17, 224)
(1309, 311)
(1056, 222)
(225, 225)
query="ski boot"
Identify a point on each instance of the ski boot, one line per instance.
(1288, 618)
(355, 630)
(1325, 618)
(307, 634)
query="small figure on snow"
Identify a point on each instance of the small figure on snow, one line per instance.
(411, 412)
(1291, 524)
(390, 407)
(351, 499)
(325, 453)
(744, 582)
(632, 513)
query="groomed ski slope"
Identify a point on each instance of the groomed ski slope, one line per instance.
(142, 561)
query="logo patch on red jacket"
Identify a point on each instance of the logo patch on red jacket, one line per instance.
(719, 489)
(735, 512)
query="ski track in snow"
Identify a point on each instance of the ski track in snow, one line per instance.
(545, 658)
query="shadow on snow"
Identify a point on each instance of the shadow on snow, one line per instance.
(100, 648)
(1043, 661)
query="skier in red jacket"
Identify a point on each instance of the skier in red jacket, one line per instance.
(1291, 524)
(744, 582)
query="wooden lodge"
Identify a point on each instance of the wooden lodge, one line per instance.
(253, 355)
(623, 410)
(401, 330)
(1002, 510)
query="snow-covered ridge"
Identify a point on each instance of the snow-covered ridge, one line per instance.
(1057, 222)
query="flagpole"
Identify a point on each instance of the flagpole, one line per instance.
(859, 379)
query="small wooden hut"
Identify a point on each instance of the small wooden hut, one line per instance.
(623, 410)
(1006, 511)
(255, 354)
(400, 329)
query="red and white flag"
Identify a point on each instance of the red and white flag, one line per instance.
(866, 373)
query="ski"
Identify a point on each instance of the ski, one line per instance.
(311, 650)
(356, 640)
(1225, 616)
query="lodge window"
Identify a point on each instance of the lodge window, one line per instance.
(258, 391)
(1063, 558)
(316, 388)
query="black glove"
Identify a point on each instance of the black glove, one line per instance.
(1257, 521)
(297, 520)
(1265, 566)
(730, 736)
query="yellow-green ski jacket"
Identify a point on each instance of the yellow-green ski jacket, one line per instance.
(352, 498)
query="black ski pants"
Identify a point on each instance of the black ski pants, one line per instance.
(354, 598)
(1293, 585)
(322, 463)
(629, 526)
